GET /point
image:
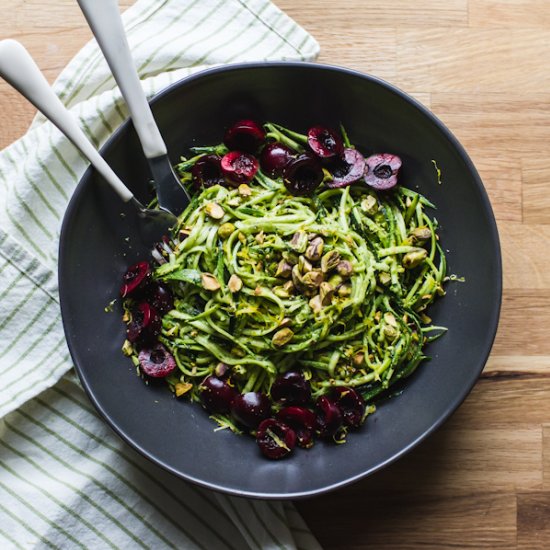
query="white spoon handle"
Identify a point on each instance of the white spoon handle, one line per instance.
(19, 69)
(104, 19)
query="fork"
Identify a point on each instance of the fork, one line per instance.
(104, 19)
(18, 68)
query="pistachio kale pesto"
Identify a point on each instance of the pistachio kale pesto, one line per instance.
(293, 291)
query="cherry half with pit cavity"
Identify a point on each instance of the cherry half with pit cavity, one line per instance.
(275, 439)
(347, 168)
(303, 175)
(156, 362)
(382, 170)
(238, 167)
(324, 142)
(291, 388)
(302, 421)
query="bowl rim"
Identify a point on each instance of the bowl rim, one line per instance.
(451, 407)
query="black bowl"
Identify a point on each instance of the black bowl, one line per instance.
(97, 245)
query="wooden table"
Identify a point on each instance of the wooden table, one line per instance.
(483, 66)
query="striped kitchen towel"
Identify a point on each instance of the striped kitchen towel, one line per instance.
(66, 481)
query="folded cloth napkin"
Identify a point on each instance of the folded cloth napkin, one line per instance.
(66, 480)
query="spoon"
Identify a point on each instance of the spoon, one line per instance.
(18, 68)
(104, 19)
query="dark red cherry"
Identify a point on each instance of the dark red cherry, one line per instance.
(274, 158)
(347, 168)
(275, 439)
(156, 362)
(135, 278)
(351, 404)
(239, 167)
(292, 388)
(325, 142)
(303, 175)
(160, 297)
(216, 395)
(381, 171)
(145, 324)
(251, 408)
(245, 135)
(329, 417)
(302, 421)
(207, 172)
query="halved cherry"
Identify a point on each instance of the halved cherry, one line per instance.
(302, 421)
(239, 167)
(136, 278)
(160, 297)
(292, 388)
(156, 362)
(251, 408)
(352, 405)
(245, 135)
(145, 324)
(303, 175)
(347, 168)
(275, 439)
(216, 395)
(329, 417)
(207, 171)
(274, 158)
(325, 142)
(382, 170)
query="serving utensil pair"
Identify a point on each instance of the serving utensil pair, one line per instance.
(19, 69)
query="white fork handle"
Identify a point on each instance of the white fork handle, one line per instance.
(18, 68)
(104, 19)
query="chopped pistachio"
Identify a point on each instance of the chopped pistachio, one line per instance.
(390, 319)
(244, 190)
(335, 280)
(312, 279)
(299, 242)
(359, 358)
(326, 292)
(315, 304)
(225, 230)
(214, 210)
(315, 249)
(127, 348)
(289, 287)
(235, 283)
(221, 369)
(297, 278)
(329, 261)
(180, 388)
(284, 269)
(209, 282)
(290, 257)
(281, 292)
(344, 291)
(390, 332)
(285, 322)
(303, 265)
(344, 268)
(235, 201)
(260, 237)
(369, 205)
(282, 337)
(242, 237)
(385, 278)
(414, 258)
(420, 234)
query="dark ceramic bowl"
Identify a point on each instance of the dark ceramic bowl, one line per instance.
(97, 245)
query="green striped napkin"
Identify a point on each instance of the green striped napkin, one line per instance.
(66, 481)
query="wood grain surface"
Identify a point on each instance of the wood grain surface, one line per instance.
(483, 67)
